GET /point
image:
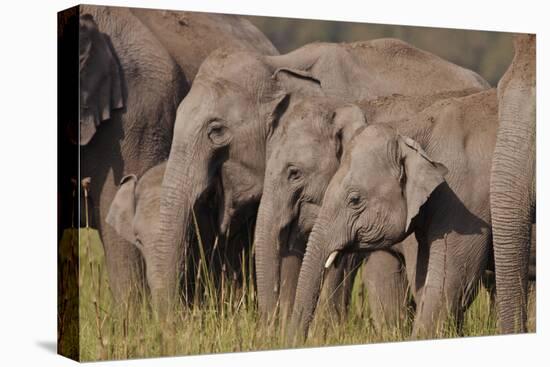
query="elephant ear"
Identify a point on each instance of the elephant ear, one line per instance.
(101, 84)
(273, 109)
(348, 120)
(288, 82)
(298, 81)
(420, 176)
(123, 209)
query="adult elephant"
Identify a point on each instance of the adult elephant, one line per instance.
(224, 123)
(133, 75)
(304, 152)
(390, 186)
(513, 193)
(189, 37)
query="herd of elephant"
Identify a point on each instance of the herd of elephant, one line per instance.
(335, 155)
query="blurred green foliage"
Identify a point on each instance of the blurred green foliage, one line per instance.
(487, 53)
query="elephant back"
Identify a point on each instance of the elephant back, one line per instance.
(190, 37)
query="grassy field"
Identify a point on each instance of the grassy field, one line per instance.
(226, 322)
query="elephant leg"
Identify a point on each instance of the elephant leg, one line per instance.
(438, 299)
(205, 244)
(532, 296)
(351, 267)
(385, 280)
(291, 262)
(532, 307)
(232, 255)
(533, 254)
(290, 270)
(488, 281)
(408, 250)
(453, 268)
(337, 286)
(206, 231)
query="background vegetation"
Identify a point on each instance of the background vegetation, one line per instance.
(487, 53)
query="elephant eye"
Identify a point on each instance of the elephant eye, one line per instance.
(294, 174)
(217, 132)
(354, 200)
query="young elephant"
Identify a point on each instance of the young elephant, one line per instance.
(303, 154)
(389, 185)
(134, 212)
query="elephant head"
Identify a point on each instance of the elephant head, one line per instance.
(219, 147)
(370, 204)
(123, 210)
(304, 153)
(134, 211)
(101, 83)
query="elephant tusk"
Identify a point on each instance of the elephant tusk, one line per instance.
(331, 259)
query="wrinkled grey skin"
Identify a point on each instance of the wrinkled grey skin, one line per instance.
(390, 185)
(225, 121)
(489, 281)
(130, 87)
(513, 192)
(303, 154)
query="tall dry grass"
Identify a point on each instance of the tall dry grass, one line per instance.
(226, 319)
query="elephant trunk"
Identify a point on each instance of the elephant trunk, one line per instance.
(513, 192)
(183, 184)
(310, 281)
(512, 212)
(268, 259)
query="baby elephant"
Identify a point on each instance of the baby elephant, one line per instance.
(304, 152)
(303, 155)
(134, 212)
(389, 186)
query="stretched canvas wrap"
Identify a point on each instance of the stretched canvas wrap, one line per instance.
(241, 183)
